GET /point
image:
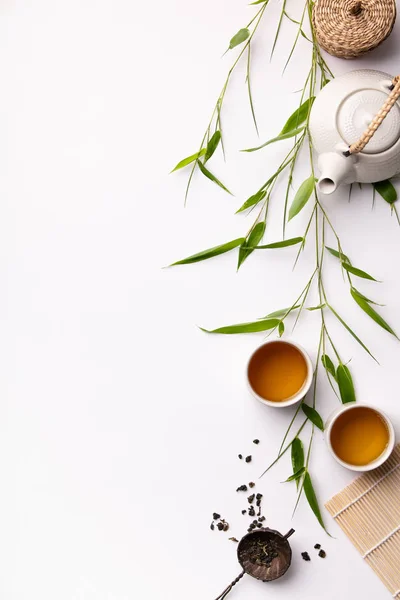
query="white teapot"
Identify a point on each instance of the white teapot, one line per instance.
(355, 129)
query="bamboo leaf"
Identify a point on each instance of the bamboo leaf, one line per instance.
(253, 200)
(371, 312)
(296, 475)
(328, 365)
(303, 195)
(283, 312)
(387, 190)
(240, 37)
(186, 161)
(338, 255)
(312, 499)
(253, 239)
(339, 318)
(281, 328)
(298, 117)
(367, 299)
(357, 272)
(280, 137)
(313, 416)
(212, 145)
(311, 308)
(212, 177)
(210, 252)
(297, 451)
(253, 327)
(346, 386)
(283, 244)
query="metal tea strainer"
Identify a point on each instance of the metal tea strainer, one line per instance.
(265, 554)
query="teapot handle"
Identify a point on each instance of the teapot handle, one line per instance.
(377, 120)
(231, 586)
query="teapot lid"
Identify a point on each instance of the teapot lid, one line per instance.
(356, 113)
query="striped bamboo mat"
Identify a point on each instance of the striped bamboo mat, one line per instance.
(368, 511)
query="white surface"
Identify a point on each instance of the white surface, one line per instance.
(120, 421)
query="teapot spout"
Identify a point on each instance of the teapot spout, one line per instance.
(335, 170)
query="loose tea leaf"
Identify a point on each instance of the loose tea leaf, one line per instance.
(279, 138)
(240, 37)
(212, 145)
(363, 303)
(253, 200)
(282, 244)
(210, 252)
(313, 416)
(298, 117)
(212, 177)
(386, 190)
(295, 476)
(357, 272)
(186, 161)
(256, 326)
(247, 247)
(281, 328)
(328, 365)
(346, 386)
(312, 498)
(302, 196)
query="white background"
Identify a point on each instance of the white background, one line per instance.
(120, 421)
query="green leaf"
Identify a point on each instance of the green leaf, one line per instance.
(253, 200)
(283, 244)
(212, 145)
(284, 136)
(386, 190)
(367, 299)
(281, 328)
(255, 236)
(311, 308)
(186, 161)
(346, 386)
(313, 416)
(254, 327)
(328, 365)
(283, 311)
(357, 272)
(215, 251)
(240, 37)
(296, 475)
(298, 117)
(212, 177)
(303, 195)
(339, 318)
(338, 255)
(297, 451)
(363, 303)
(312, 499)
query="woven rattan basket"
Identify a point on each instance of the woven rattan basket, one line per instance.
(348, 28)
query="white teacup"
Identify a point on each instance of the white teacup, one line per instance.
(378, 461)
(302, 391)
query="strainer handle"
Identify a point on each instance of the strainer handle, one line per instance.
(231, 586)
(377, 120)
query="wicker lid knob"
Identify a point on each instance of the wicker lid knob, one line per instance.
(348, 28)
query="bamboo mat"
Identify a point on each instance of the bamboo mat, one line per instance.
(368, 511)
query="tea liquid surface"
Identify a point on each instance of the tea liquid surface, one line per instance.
(359, 436)
(277, 371)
